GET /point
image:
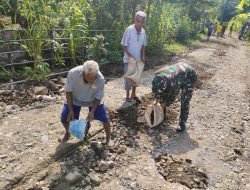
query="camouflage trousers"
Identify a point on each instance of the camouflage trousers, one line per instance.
(186, 95)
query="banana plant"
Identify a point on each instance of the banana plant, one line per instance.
(12, 7)
(240, 18)
(242, 4)
(34, 38)
(33, 46)
(73, 16)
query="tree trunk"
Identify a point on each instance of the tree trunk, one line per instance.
(148, 9)
(134, 3)
(189, 8)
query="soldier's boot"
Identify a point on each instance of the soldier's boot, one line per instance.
(182, 127)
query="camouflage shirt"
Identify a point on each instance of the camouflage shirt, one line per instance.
(168, 81)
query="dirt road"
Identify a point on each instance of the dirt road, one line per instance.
(213, 154)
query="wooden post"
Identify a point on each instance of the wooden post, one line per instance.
(10, 61)
(222, 16)
(52, 54)
(83, 51)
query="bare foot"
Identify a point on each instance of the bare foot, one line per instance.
(136, 98)
(64, 138)
(132, 95)
(127, 100)
(109, 144)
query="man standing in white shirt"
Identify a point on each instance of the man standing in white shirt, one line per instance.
(133, 43)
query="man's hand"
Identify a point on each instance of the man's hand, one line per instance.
(90, 116)
(163, 106)
(125, 49)
(155, 102)
(131, 56)
(70, 116)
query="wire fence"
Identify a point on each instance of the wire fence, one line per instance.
(14, 55)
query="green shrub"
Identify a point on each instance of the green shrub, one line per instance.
(183, 30)
(38, 74)
(96, 49)
(173, 49)
(5, 76)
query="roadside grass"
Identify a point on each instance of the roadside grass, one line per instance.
(174, 49)
(179, 48)
(248, 43)
(169, 50)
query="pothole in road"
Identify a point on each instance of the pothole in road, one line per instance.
(179, 170)
(172, 168)
(91, 165)
(203, 77)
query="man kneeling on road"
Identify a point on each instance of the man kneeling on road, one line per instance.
(167, 83)
(84, 87)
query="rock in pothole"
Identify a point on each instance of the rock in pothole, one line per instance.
(40, 90)
(73, 177)
(103, 166)
(94, 179)
(179, 170)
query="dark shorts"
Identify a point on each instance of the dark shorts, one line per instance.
(100, 113)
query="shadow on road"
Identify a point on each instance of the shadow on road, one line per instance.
(219, 42)
(167, 140)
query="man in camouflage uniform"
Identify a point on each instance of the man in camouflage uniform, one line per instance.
(167, 83)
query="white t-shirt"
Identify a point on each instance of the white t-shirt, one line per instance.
(134, 42)
(84, 93)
